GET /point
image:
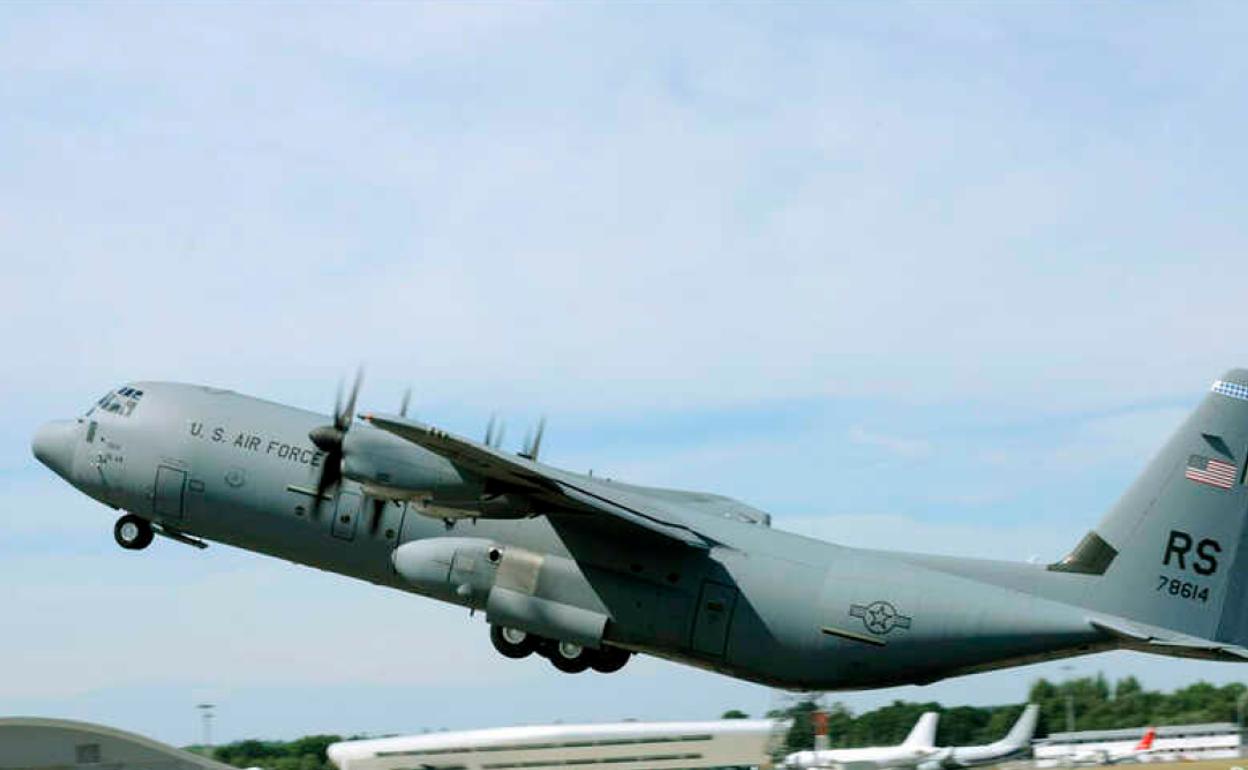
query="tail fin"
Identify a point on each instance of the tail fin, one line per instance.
(1024, 728)
(1169, 553)
(1146, 743)
(923, 734)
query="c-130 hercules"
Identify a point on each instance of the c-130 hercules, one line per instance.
(586, 571)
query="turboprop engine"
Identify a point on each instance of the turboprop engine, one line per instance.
(391, 468)
(533, 602)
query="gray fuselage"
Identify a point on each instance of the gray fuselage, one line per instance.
(762, 605)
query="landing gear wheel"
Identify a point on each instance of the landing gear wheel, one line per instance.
(132, 533)
(570, 657)
(608, 660)
(512, 642)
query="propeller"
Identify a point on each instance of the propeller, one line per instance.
(328, 439)
(494, 431)
(533, 443)
(379, 504)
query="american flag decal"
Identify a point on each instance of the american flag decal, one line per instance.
(1206, 470)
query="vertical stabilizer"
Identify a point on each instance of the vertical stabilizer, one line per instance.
(1169, 553)
(1024, 728)
(923, 734)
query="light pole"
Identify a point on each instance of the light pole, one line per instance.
(1070, 701)
(205, 712)
(1239, 714)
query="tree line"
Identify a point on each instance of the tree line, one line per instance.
(1092, 702)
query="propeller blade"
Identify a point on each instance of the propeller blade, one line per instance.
(533, 441)
(536, 447)
(407, 398)
(343, 419)
(331, 472)
(489, 432)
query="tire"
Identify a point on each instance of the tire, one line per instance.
(608, 660)
(569, 657)
(132, 533)
(512, 642)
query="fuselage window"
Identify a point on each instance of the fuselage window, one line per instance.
(121, 403)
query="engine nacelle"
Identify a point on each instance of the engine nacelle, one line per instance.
(457, 569)
(392, 468)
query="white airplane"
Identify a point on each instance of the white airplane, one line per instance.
(1017, 741)
(1113, 756)
(919, 745)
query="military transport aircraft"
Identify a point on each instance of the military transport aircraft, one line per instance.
(586, 571)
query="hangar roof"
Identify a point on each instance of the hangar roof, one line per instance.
(1133, 733)
(35, 743)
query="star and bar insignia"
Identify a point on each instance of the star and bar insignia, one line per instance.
(879, 617)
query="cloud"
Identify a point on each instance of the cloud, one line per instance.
(910, 448)
(608, 224)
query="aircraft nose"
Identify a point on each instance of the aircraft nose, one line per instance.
(53, 445)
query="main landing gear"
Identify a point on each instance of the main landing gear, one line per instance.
(132, 533)
(569, 657)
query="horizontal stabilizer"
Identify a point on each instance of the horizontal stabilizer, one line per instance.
(1146, 638)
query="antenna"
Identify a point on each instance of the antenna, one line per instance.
(206, 716)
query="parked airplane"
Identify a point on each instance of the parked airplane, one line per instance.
(919, 745)
(587, 571)
(1113, 756)
(1015, 743)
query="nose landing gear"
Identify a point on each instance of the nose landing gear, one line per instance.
(568, 657)
(132, 533)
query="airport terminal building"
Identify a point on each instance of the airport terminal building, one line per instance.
(615, 746)
(61, 744)
(1174, 743)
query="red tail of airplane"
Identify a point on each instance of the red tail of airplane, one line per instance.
(1146, 742)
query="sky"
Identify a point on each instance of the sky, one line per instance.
(924, 276)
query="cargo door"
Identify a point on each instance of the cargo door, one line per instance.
(170, 491)
(346, 514)
(715, 607)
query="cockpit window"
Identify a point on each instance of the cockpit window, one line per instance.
(119, 402)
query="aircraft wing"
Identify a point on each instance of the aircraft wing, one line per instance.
(566, 492)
